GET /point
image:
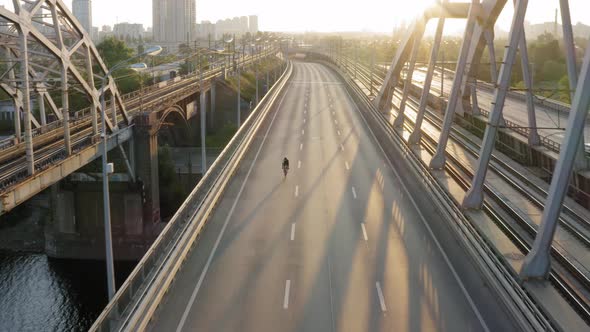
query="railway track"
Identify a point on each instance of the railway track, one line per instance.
(567, 276)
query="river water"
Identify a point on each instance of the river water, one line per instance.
(42, 294)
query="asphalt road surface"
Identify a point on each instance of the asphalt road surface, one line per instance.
(336, 246)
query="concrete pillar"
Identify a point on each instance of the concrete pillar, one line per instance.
(146, 158)
(203, 116)
(474, 197)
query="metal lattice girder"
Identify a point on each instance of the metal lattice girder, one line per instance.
(474, 197)
(537, 262)
(417, 131)
(418, 33)
(49, 54)
(448, 10)
(572, 71)
(439, 159)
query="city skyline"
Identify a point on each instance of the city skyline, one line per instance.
(278, 17)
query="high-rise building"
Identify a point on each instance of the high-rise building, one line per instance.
(253, 23)
(82, 9)
(174, 21)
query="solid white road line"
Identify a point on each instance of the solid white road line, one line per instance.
(353, 192)
(228, 217)
(346, 164)
(364, 231)
(300, 146)
(292, 231)
(287, 290)
(296, 191)
(299, 164)
(381, 299)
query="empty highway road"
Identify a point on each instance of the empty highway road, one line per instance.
(336, 246)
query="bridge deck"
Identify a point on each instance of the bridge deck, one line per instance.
(337, 246)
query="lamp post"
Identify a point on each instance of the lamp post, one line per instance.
(108, 168)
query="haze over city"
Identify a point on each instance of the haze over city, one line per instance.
(434, 165)
(326, 15)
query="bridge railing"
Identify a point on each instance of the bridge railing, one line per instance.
(152, 276)
(494, 272)
(85, 113)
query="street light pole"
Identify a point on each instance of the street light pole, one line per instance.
(108, 168)
(106, 201)
(239, 99)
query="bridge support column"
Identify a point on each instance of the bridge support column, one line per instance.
(76, 230)
(537, 262)
(474, 197)
(399, 120)
(146, 155)
(474, 102)
(416, 134)
(439, 159)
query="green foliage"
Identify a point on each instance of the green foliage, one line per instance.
(222, 136)
(564, 89)
(552, 70)
(113, 51)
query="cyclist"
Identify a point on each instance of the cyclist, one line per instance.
(285, 166)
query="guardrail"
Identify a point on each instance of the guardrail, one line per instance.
(138, 297)
(525, 311)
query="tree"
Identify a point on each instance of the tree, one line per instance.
(113, 51)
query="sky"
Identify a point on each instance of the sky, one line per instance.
(316, 15)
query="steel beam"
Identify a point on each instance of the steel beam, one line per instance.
(42, 114)
(537, 263)
(530, 98)
(489, 38)
(26, 92)
(474, 103)
(474, 197)
(65, 104)
(439, 159)
(572, 71)
(416, 134)
(399, 120)
(114, 111)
